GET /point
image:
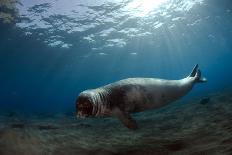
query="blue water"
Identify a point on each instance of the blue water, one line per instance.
(53, 50)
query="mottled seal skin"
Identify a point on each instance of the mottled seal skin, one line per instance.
(134, 95)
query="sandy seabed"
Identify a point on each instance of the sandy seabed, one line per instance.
(198, 127)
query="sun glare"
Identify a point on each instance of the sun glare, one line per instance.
(144, 7)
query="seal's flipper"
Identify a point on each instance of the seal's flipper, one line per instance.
(125, 118)
(128, 121)
(199, 78)
(194, 71)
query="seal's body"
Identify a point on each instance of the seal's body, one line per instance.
(134, 95)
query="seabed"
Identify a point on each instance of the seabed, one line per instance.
(198, 126)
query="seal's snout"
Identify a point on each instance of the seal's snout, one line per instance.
(81, 115)
(84, 107)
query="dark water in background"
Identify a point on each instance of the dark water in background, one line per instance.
(47, 58)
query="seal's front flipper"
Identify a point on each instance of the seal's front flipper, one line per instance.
(125, 118)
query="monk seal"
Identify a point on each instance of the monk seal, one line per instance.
(134, 95)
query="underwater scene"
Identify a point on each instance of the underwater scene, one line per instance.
(115, 77)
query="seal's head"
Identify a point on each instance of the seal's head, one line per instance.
(84, 106)
(91, 103)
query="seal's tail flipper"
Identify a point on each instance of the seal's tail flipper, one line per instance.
(199, 78)
(196, 73)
